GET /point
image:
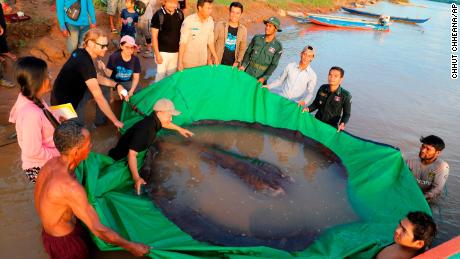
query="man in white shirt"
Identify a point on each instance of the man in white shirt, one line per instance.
(429, 170)
(298, 80)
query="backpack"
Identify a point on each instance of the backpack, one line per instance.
(140, 7)
(162, 13)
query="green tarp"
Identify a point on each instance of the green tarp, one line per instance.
(380, 187)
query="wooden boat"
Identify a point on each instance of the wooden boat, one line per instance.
(300, 17)
(347, 22)
(392, 18)
(449, 249)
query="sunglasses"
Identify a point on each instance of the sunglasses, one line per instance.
(103, 46)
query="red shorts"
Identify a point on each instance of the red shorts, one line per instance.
(71, 246)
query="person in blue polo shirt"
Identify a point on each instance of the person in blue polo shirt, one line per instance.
(75, 30)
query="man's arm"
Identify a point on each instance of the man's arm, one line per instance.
(212, 47)
(272, 65)
(314, 105)
(243, 45)
(75, 197)
(184, 132)
(93, 87)
(247, 54)
(61, 17)
(439, 182)
(280, 80)
(345, 114)
(346, 110)
(184, 35)
(156, 49)
(311, 84)
(132, 164)
(92, 13)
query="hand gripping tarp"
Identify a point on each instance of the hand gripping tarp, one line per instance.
(381, 189)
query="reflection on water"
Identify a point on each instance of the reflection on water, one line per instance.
(264, 186)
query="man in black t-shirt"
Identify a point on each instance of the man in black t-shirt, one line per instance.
(78, 81)
(230, 37)
(166, 24)
(140, 136)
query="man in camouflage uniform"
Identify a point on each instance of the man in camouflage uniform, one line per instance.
(264, 52)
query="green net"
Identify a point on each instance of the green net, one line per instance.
(380, 187)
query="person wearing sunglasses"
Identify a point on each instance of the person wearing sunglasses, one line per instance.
(77, 81)
(298, 80)
(123, 66)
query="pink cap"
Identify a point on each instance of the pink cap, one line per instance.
(128, 40)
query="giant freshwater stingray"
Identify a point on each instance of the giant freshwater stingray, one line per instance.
(264, 182)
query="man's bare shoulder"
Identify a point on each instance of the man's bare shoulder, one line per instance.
(57, 179)
(394, 251)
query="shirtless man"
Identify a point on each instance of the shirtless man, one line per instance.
(60, 199)
(413, 235)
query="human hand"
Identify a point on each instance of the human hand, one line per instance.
(65, 33)
(186, 133)
(180, 66)
(301, 103)
(122, 93)
(138, 249)
(235, 64)
(241, 68)
(215, 62)
(265, 86)
(261, 80)
(341, 127)
(118, 124)
(62, 119)
(158, 58)
(138, 182)
(130, 93)
(92, 26)
(305, 110)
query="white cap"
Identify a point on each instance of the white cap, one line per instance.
(165, 105)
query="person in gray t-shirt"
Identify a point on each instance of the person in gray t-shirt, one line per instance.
(430, 171)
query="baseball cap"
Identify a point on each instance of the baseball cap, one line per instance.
(165, 105)
(275, 21)
(308, 47)
(128, 40)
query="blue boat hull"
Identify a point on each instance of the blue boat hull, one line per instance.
(347, 23)
(392, 18)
